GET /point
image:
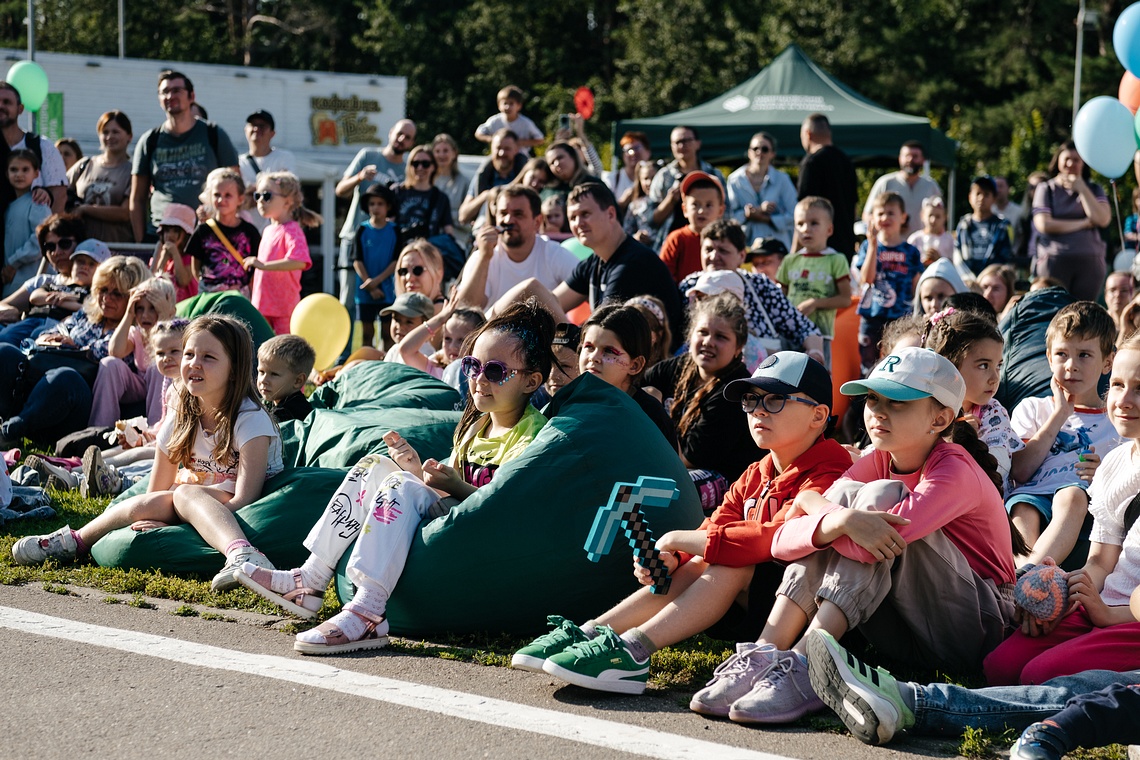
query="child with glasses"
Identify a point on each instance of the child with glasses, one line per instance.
(283, 253)
(722, 571)
(382, 501)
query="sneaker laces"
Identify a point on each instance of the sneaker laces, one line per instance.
(779, 670)
(604, 641)
(560, 625)
(737, 664)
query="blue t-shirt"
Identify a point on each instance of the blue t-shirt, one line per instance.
(376, 248)
(983, 243)
(892, 295)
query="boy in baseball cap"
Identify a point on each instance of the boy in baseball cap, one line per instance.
(409, 311)
(788, 401)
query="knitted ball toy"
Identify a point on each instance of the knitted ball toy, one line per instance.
(1042, 592)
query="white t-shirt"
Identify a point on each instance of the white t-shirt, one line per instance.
(252, 422)
(995, 431)
(548, 262)
(393, 353)
(1082, 430)
(52, 173)
(278, 160)
(522, 126)
(1116, 483)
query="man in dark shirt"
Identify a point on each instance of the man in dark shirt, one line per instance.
(827, 171)
(618, 269)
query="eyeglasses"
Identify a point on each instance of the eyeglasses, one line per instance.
(108, 293)
(684, 141)
(64, 244)
(423, 164)
(760, 149)
(773, 403)
(263, 196)
(415, 271)
(493, 371)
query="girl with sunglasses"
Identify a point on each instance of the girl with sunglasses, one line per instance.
(57, 237)
(382, 501)
(283, 253)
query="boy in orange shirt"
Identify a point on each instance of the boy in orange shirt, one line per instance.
(703, 202)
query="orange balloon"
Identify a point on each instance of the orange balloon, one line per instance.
(1129, 93)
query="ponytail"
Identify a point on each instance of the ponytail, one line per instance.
(963, 434)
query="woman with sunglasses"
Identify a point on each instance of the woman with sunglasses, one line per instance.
(420, 270)
(422, 209)
(386, 499)
(57, 237)
(760, 196)
(46, 407)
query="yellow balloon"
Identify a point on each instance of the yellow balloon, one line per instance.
(323, 321)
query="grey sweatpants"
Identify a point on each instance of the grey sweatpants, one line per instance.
(926, 606)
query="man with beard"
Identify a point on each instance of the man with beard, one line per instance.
(909, 183)
(172, 160)
(511, 251)
(504, 165)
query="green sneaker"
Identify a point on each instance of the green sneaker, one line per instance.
(533, 655)
(603, 663)
(865, 698)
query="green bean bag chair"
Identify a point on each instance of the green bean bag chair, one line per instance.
(232, 303)
(276, 524)
(512, 553)
(382, 385)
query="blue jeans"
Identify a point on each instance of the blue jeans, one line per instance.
(944, 709)
(25, 328)
(57, 404)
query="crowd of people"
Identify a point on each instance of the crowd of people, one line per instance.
(736, 313)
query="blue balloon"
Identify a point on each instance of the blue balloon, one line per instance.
(1105, 136)
(1126, 38)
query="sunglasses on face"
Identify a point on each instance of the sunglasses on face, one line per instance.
(494, 371)
(64, 244)
(415, 271)
(109, 293)
(422, 164)
(266, 195)
(773, 403)
(760, 149)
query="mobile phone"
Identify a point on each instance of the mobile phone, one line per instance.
(564, 121)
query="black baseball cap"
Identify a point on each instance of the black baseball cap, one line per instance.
(786, 372)
(262, 116)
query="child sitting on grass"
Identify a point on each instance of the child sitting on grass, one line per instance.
(283, 366)
(1066, 435)
(725, 563)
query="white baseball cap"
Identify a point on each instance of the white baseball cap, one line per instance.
(910, 374)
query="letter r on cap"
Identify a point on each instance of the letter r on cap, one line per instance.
(890, 362)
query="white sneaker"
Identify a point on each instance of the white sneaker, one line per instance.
(33, 550)
(226, 579)
(782, 696)
(734, 678)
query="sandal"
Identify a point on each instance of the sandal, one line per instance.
(302, 601)
(336, 642)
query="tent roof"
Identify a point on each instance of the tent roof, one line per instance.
(778, 99)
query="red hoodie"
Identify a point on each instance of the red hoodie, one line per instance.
(740, 531)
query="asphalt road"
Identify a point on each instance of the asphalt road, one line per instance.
(150, 689)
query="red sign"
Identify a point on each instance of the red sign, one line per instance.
(584, 102)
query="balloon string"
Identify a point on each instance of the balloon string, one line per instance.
(1116, 205)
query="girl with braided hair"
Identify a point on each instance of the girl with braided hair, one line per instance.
(973, 344)
(712, 432)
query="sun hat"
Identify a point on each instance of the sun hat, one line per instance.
(717, 282)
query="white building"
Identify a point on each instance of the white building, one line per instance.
(323, 118)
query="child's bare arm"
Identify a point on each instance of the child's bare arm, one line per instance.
(402, 453)
(1026, 461)
(251, 472)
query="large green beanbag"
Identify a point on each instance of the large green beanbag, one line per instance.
(384, 385)
(232, 303)
(512, 553)
(339, 438)
(276, 524)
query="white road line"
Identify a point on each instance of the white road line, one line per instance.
(495, 712)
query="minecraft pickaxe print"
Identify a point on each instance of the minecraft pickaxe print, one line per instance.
(624, 510)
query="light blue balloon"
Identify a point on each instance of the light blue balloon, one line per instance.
(1105, 137)
(1126, 38)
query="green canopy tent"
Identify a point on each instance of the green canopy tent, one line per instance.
(777, 100)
